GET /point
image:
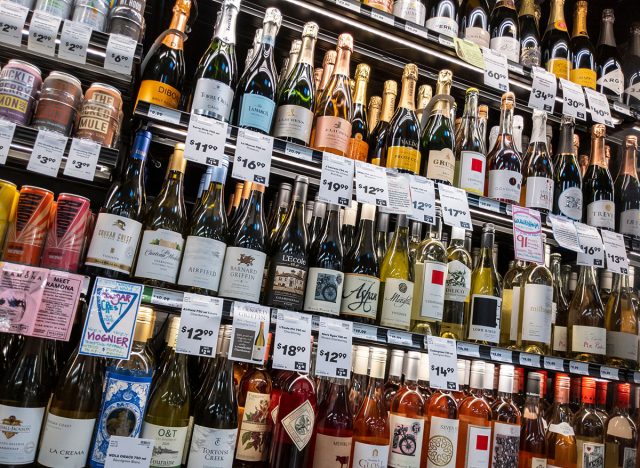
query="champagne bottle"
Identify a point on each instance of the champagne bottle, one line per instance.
(414, 11)
(373, 112)
(359, 141)
(621, 321)
(538, 173)
(627, 191)
(257, 38)
(378, 137)
(474, 22)
(583, 63)
(443, 17)
(455, 316)
(556, 49)
(597, 185)
(567, 191)
(164, 223)
(631, 68)
(560, 309)
(536, 309)
(328, 64)
(586, 337)
(471, 161)
(289, 63)
(610, 77)
(530, 48)
(503, 27)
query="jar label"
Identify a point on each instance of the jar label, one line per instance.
(114, 243)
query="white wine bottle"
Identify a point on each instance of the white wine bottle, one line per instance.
(457, 291)
(536, 309)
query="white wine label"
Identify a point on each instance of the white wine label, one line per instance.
(613, 81)
(160, 254)
(479, 36)
(242, 274)
(256, 112)
(331, 452)
(396, 303)
(19, 434)
(505, 185)
(485, 318)
(299, 424)
(168, 444)
(539, 193)
(570, 203)
(114, 242)
(630, 222)
(293, 122)
(472, 169)
(588, 340)
(213, 99)
(602, 214)
(443, 442)
(65, 442)
(433, 286)
(629, 457)
(441, 165)
(369, 455)
(559, 338)
(505, 445)
(212, 448)
(507, 46)
(513, 310)
(202, 263)
(324, 291)
(590, 454)
(289, 280)
(622, 345)
(405, 445)
(410, 10)
(458, 285)
(562, 428)
(443, 24)
(360, 296)
(478, 444)
(539, 462)
(254, 429)
(536, 313)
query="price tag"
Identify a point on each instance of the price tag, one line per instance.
(564, 232)
(128, 452)
(580, 368)
(399, 194)
(365, 332)
(400, 338)
(381, 16)
(489, 204)
(599, 107)
(555, 364)
(7, 129)
(334, 348)
(371, 184)
(249, 332)
(610, 373)
(501, 355)
(119, 54)
(527, 235)
(82, 159)
(349, 5)
(530, 360)
(252, 161)
(455, 206)
(423, 199)
(543, 90)
(12, 19)
(74, 42)
(297, 151)
(615, 252)
(292, 349)
(636, 377)
(573, 100)
(443, 363)
(468, 349)
(205, 140)
(336, 180)
(591, 245)
(47, 152)
(414, 29)
(496, 73)
(43, 31)
(165, 114)
(167, 298)
(199, 325)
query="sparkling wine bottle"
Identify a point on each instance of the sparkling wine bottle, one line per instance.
(359, 141)
(586, 337)
(538, 171)
(567, 190)
(378, 137)
(556, 49)
(627, 191)
(597, 185)
(583, 66)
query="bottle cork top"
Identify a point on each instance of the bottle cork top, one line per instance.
(375, 102)
(310, 30)
(329, 58)
(445, 77)
(410, 71)
(508, 100)
(273, 15)
(631, 140)
(345, 41)
(483, 111)
(390, 87)
(599, 131)
(363, 71)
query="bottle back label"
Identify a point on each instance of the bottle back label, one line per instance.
(588, 340)
(242, 274)
(602, 214)
(369, 455)
(324, 291)
(630, 222)
(622, 345)
(443, 24)
(590, 454)
(256, 112)
(202, 263)
(160, 254)
(559, 67)
(331, 452)
(405, 447)
(539, 462)
(443, 443)
(536, 313)
(168, 444)
(158, 93)
(458, 284)
(507, 46)
(253, 438)
(485, 318)
(612, 81)
(212, 98)
(410, 10)
(289, 280)
(360, 296)
(299, 424)
(570, 203)
(212, 448)
(65, 442)
(114, 242)
(479, 36)
(478, 444)
(293, 122)
(472, 168)
(559, 338)
(433, 288)
(19, 434)
(358, 148)
(332, 134)
(629, 457)
(505, 185)
(441, 165)
(505, 445)
(584, 77)
(396, 303)
(539, 193)
(403, 157)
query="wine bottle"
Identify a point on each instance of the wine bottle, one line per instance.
(463, 375)
(631, 68)
(328, 64)
(583, 54)
(530, 47)
(257, 38)
(510, 310)
(378, 137)
(457, 290)
(255, 96)
(111, 253)
(621, 322)
(503, 27)
(414, 11)
(216, 77)
(483, 117)
(601, 401)
(403, 135)
(567, 191)
(437, 139)
(415, 238)
(289, 63)
(589, 428)
(622, 434)
(538, 172)
(597, 185)
(536, 309)
(610, 76)
(586, 337)
(532, 443)
(560, 309)
(164, 72)
(373, 113)
(443, 17)
(442, 427)
(505, 422)
(422, 101)
(556, 49)
(294, 118)
(561, 439)
(359, 378)
(348, 230)
(471, 161)
(278, 212)
(381, 239)
(359, 141)
(474, 22)
(627, 191)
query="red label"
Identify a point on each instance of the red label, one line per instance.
(476, 165)
(437, 277)
(482, 442)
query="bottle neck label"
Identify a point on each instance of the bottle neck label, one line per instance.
(227, 28)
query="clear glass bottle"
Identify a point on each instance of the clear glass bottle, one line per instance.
(621, 322)
(538, 170)
(471, 160)
(589, 428)
(560, 309)
(561, 439)
(536, 309)
(505, 422)
(586, 331)
(532, 442)
(457, 294)
(510, 311)
(621, 434)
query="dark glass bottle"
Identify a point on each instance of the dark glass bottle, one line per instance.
(567, 191)
(530, 52)
(583, 54)
(503, 27)
(474, 22)
(627, 191)
(556, 50)
(442, 17)
(597, 185)
(631, 68)
(378, 137)
(610, 76)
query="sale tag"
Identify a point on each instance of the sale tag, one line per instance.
(119, 54)
(580, 368)
(468, 349)
(333, 358)
(74, 42)
(501, 355)
(336, 179)
(252, 161)
(610, 373)
(527, 235)
(573, 100)
(371, 184)
(199, 325)
(128, 452)
(249, 332)
(423, 199)
(564, 232)
(47, 152)
(530, 360)
(615, 252)
(12, 19)
(543, 90)
(591, 245)
(555, 364)
(43, 31)
(7, 129)
(399, 193)
(205, 140)
(496, 72)
(443, 361)
(455, 206)
(599, 107)
(82, 159)
(292, 349)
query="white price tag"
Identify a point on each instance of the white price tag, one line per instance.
(489, 204)
(414, 29)
(599, 107)
(292, 349)
(443, 360)
(378, 15)
(564, 232)
(496, 72)
(423, 199)
(573, 100)
(12, 19)
(82, 159)
(119, 54)
(455, 206)
(527, 235)
(543, 90)
(397, 337)
(74, 42)
(46, 156)
(349, 5)
(615, 252)
(530, 360)
(468, 349)
(297, 151)
(610, 373)
(371, 184)
(334, 348)
(205, 140)
(555, 364)
(7, 129)
(399, 193)
(167, 298)
(43, 31)
(199, 325)
(128, 452)
(249, 333)
(365, 332)
(591, 245)
(164, 113)
(252, 161)
(580, 368)
(501, 355)
(336, 180)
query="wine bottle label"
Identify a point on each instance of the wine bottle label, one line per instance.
(293, 122)
(507, 46)
(370, 455)
(562, 428)
(629, 457)
(331, 452)
(433, 287)
(559, 338)
(443, 442)
(159, 256)
(358, 148)
(405, 446)
(396, 303)
(630, 222)
(65, 442)
(590, 454)
(559, 67)
(253, 438)
(504, 185)
(570, 203)
(479, 36)
(536, 313)
(212, 98)
(410, 10)
(19, 434)
(472, 167)
(333, 134)
(168, 444)
(511, 310)
(485, 318)
(242, 274)
(530, 55)
(403, 157)
(584, 77)
(478, 444)
(587, 339)
(602, 214)
(114, 242)
(384, 5)
(441, 165)
(324, 291)
(289, 280)
(212, 448)
(256, 112)
(159, 93)
(505, 445)
(458, 285)
(539, 462)
(622, 345)
(202, 263)
(539, 193)
(612, 81)
(443, 24)
(299, 424)
(360, 296)
(633, 92)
